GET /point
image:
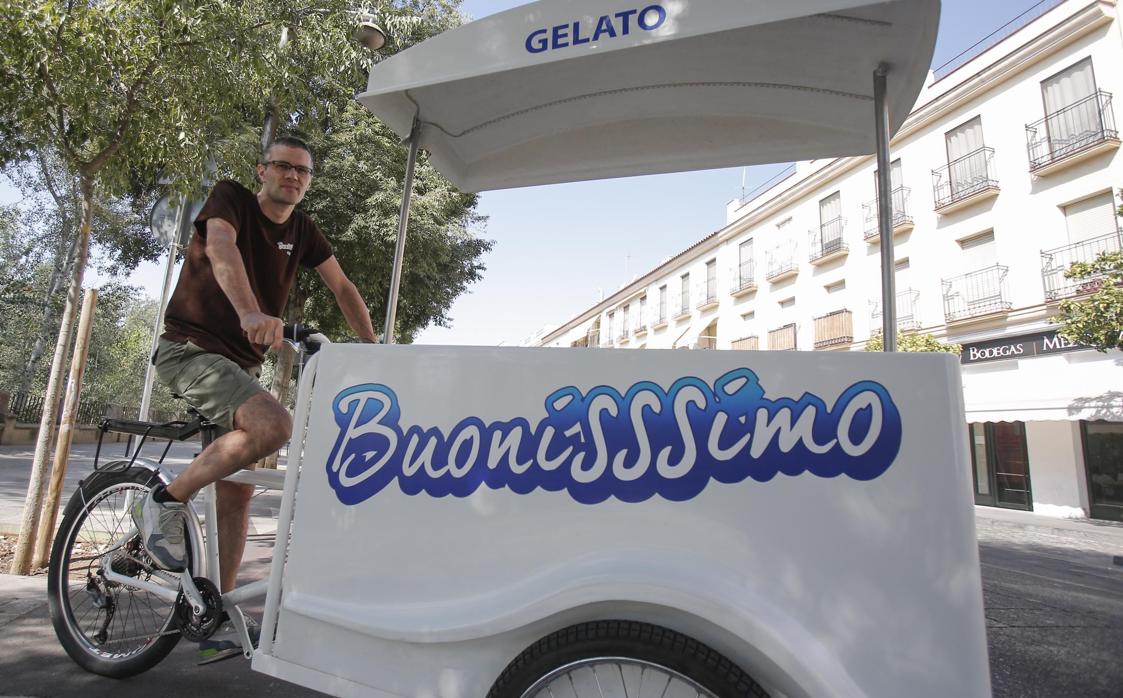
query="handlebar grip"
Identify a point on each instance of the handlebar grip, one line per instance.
(298, 333)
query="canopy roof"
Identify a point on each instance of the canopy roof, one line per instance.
(566, 90)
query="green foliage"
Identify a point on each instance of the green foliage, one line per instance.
(356, 199)
(915, 343)
(1097, 319)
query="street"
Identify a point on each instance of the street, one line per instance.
(1054, 607)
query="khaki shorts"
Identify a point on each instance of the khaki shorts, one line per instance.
(212, 384)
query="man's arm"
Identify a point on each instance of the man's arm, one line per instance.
(348, 298)
(230, 272)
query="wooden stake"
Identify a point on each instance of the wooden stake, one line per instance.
(66, 430)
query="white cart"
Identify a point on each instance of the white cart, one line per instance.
(512, 522)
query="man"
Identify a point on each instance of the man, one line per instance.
(222, 317)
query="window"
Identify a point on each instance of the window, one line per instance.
(788, 302)
(979, 251)
(901, 274)
(967, 162)
(1091, 218)
(642, 319)
(711, 280)
(611, 324)
(744, 263)
(895, 178)
(1070, 117)
(624, 321)
(749, 315)
(662, 302)
(836, 287)
(684, 293)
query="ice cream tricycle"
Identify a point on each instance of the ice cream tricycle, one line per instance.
(464, 522)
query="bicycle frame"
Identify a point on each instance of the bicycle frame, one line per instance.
(206, 529)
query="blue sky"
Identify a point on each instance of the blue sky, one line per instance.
(558, 247)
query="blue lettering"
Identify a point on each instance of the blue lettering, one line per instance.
(626, 15)
(577, 40)
(678, 440)
(560, 34)
(604, 26)
(537, 42)
(660, 14)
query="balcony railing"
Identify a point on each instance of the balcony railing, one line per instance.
(981, 292)
(834, 329)
(743, 278)
(782, 338)
(902, 217)
(682, 307)
(782, 262)
(964, 178)
(1055, 262)
(750, 343)
(707, 296)
(908, 312)
(827, 242)
(1074, 129)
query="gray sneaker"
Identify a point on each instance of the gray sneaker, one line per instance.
(161, 530)
(226, 642)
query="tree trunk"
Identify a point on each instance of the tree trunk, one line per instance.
(64, 261)
(33, 503)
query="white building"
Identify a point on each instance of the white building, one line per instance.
(1003, 174)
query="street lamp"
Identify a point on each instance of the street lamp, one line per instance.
(368, 33)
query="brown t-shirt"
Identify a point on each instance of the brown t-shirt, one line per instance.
(199, 309)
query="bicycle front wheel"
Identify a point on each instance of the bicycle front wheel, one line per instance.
(108, 628)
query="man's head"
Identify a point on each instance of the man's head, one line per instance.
(285, 170)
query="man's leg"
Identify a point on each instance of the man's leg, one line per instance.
(233, 506)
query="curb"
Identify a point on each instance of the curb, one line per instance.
(1111, 536)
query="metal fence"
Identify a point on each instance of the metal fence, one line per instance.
(901, 214)
(981, 292)
(1070, 130)
(1054, 263)
(963, 177)
(828, 239)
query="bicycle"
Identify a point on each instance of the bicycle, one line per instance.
(113, 611)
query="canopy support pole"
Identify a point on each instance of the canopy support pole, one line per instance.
(403, 223)
(885, 212)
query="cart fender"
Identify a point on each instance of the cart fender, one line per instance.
(582, 589)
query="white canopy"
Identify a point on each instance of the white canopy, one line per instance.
(1073, 386)
(566, 90)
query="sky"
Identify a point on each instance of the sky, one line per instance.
(560, 248)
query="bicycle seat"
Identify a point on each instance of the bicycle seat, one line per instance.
(203, 421)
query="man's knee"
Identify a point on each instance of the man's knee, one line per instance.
(266, 420)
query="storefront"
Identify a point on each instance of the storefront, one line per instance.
(1046, 425)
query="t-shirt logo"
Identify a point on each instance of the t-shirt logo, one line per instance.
(286, 246)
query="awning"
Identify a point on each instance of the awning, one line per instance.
(566, 90)
(1081, 385)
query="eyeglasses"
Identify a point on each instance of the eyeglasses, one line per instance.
(287, 167)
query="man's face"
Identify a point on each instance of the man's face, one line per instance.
(281, 183)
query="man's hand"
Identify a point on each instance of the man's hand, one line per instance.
(263, 329)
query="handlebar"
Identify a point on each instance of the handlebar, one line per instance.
(304, 337)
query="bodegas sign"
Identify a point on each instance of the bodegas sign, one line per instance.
(1020, 347)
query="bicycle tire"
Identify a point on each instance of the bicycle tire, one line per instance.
(70, 601)
(622, 643)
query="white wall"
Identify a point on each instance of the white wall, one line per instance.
(1053, 469)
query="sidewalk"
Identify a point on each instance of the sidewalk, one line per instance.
(1095, 531)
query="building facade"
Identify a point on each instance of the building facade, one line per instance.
(1005, 173)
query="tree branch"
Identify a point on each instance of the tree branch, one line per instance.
(52, 188)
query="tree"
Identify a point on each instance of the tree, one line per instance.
(127, 89)
(1096, 320)
(915, 343)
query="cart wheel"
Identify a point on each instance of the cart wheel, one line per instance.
(620, 657)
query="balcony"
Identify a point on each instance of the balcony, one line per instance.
(744, 281)
(682, 308)
(660, 322)
(908, 312)
(750, 343)
(782, 338)
(1055, 262)
(709, 298)
(965, 181)
(1079, 131)
(977, 294)
(834, 329)
(639, 330)
(782, 263)
(902, 217)
(827, 243)
(623, 336)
